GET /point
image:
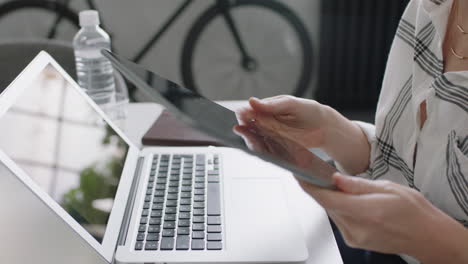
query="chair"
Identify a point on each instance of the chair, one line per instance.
(16, 55)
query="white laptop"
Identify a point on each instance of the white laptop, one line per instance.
(150, 205)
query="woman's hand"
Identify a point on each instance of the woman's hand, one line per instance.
(390, 218)
(299, 119)
(261, 136)
(311, 125)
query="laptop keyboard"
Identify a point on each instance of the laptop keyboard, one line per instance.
(182, 208)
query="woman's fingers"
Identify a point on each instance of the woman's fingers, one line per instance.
(245, 115)
(356, 185)
(277, 106)
(253, 141)
(351, 229)
(264, 139)
(275, 112)
(267, 126)
(336, 201)
(356, 198)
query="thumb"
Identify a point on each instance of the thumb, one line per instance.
(356, 185)
(279, 105)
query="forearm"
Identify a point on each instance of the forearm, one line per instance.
(345, 142)
(446, 241)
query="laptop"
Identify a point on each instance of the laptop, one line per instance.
(149, 205)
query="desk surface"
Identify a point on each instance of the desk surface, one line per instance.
(312, 218)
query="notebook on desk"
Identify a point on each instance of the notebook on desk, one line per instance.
(168, 131)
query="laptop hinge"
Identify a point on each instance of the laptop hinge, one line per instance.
(130, 203)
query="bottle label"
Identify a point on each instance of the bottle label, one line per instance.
(89, 54)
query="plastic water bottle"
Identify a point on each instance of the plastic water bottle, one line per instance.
(120, 110)
(95, 72)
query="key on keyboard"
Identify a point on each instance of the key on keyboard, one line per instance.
(182, 208)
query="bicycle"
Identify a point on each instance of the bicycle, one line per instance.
(258, 32)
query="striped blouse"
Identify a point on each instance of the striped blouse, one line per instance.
(415, 74)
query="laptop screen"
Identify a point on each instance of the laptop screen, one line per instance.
(64, 145)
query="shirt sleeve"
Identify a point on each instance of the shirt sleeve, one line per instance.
(369, 131)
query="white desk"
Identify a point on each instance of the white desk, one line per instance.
(31, 233)
(312, 218)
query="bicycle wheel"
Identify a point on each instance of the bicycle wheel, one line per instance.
(29, 19)
(274, 36)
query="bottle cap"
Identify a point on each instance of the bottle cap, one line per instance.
(89, 18)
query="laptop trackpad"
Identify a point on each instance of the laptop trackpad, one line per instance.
(254, 167)
(259, 222)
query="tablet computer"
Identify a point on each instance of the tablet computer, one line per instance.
(209, 117)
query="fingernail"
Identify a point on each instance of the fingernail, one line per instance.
(251, 130)
(256, 99)
(336, 177)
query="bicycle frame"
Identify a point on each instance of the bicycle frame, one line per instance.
(59, 17)
(179, 11)
(223, 5)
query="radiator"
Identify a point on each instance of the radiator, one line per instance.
(355, 39)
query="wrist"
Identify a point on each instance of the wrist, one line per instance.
(345, 142)
(327, 119)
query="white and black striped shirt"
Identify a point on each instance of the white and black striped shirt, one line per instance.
(415, 73)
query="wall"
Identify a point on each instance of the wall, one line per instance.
(133, 22)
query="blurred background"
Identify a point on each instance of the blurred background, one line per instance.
(333, 51)
(346, 45)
